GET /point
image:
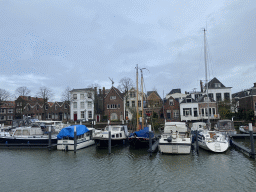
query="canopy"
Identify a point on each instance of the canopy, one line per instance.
(69, 131)
(143, 133)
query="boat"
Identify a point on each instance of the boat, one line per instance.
(175, 139)
(225, 127)
(211, 140)
(245, 129)
(119, 134)
(66, 140)
(196, 126)
(140, 139)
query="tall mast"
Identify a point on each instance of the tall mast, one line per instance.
(142, 123)
(137, 89)
(206, 80)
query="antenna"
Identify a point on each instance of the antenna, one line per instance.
(112, 81)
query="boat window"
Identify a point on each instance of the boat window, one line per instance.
(207, 135)
(115, 129)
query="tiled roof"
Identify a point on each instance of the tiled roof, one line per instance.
(174, 91)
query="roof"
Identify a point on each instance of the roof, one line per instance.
(121, 95)
(211, 84)
(174, 91)
(150, 92)
(83, 89)
(189, 97)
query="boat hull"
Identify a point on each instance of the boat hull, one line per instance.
(140, 142)
(68, 145)
(174, 148)
(37, 140)
(103, 143)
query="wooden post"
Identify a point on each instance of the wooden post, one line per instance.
(75, 139)
(197, 147)
(252, 141)
(150, 142)
(50, 138)
(109, 142)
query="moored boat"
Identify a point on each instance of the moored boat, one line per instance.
(175, 139)
(225, 127)
(66, 140)
(119, 134)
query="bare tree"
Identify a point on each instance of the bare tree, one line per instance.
(46, 94)
(67, 97)
(4, 96)
(125, 84)
(22, 91)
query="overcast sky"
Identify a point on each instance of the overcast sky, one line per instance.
(77, 43)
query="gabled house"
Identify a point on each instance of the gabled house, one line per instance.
(82, 104)
(171, 109)
(114, 105)
(130, 103)
(154, 103)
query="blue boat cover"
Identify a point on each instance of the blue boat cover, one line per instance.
(142, 133)
(69, 131)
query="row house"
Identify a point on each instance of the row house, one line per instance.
(171, 109)
(154, 104)
(216, 90)
(36, 108)
(195, 110)
(245, 99)
(114, 105)
(7, 112)
(130, 103)
(82, 104)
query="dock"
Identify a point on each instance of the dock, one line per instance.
(241, 135)
(27, 146)
(241, 148)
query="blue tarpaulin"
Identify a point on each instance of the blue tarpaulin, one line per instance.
(142, 133)
(69, 131)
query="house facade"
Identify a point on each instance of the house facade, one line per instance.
(114, 105)
(154, 104)
(171, 109)
(7, 111)
(82, 104)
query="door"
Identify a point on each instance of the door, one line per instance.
(75, 117)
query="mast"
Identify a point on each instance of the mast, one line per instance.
(142, 123)
(137, 89)
(206, 81)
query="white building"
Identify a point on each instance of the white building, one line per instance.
(176, 94)
(82, 104)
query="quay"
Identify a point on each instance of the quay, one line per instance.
(241, 135)
(27, 146)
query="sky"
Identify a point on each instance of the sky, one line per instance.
(79, 43)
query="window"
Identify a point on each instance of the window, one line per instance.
(213, 111)
(112, 97)
(139, 103)
(195, 112)
(89, 105)
(176, 114)
(128, 103)
(210, 95)
(28, 108)
(227, 96)
(56, 107)
(216, 84)
(188, 100)
(75, 105)
(89, 114)
(66, 106)
(10, 110)
(108, 106)
(37, 107)
(46, 107)
(118, 106)
(218, 96)
(210, 111)
(132, 94)
(89, 95)
(82, 105)
(186, 111)
(133, 103)
(82, 114)
(168, 114)
(2, 117)
(74, 96)
(81, 96)
(171, 102)
(2, 111)
(202, 111)
(9, 117)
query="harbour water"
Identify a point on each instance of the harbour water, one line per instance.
(125, 169)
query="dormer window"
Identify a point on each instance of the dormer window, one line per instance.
(188, 100)
(112, 97)
(216, 85)
(171, 102)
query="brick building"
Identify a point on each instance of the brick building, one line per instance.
(171, 109)
(7, 112)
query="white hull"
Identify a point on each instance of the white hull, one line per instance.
(174, 148)
(69, 144)
(212, 141)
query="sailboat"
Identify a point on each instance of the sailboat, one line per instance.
(211, 140)
(140, 138)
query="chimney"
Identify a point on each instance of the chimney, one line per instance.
(103, 91)
(201, 85)
(254, 84)
(95, 91)
(100, 91)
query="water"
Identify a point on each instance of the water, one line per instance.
(125, 169)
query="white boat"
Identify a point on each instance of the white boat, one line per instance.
(119, 133)
(197, 126)
(66, 140)
(175, 139)
(213, 141)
